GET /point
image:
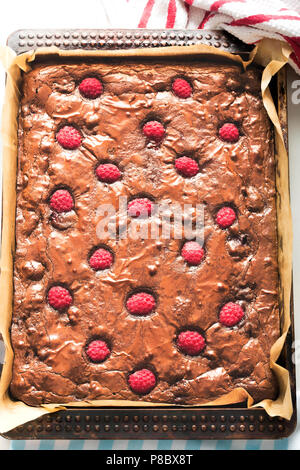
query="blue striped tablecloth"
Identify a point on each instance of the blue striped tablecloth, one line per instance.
(282, 444)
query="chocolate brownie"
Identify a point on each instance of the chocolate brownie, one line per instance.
(158, 319)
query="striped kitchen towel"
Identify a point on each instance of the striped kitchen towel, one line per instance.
(249, 20)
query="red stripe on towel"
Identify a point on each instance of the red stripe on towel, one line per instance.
(255, 19)
(172, 9)
(207, 17)
(219, 3)
(146, 14)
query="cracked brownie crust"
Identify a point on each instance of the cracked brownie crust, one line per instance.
(73, 335)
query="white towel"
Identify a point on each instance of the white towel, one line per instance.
(249, 20)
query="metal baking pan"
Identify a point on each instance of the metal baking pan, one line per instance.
(227, 422)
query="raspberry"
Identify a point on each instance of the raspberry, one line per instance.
(141, 303)
(97, 351)
(59, 298)
(108, 173)
(91, 88)
(142, 381)
(140, 207)
(69, 137)
(186, 166)
(190, 342)
(225, 217)
(101, 259)
(182, 88)
(192, 252)
(229, 132)
(154, 130)
(61, 201)
(231, 314)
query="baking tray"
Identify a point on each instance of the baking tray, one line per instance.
(226, 422)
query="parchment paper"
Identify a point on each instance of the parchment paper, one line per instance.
(272, 55)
